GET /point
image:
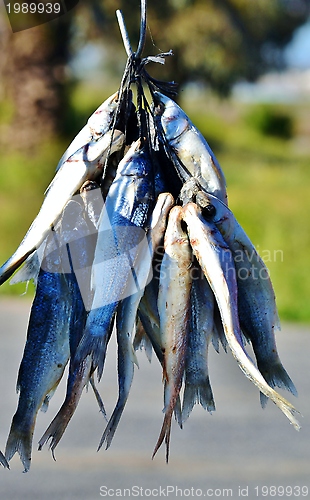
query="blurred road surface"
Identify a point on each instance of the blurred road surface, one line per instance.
(240, 450)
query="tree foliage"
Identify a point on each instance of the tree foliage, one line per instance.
(217, 41)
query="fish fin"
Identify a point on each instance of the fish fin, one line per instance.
(145, 344)
(164, 434)
(13, 263)
(148, 348)
(197, 394)
(276, 376)
(141, 341)
(215, 341)
(49, 396)
(133, 356)
(111, 427)
(29, 271)
(19, 441)
(95, 346)
(263, 400)
(218, 332)
(98, 397)
(3, 461)
(178, 412)
(45, 404)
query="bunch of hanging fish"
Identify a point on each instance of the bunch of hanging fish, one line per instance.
(135, 236)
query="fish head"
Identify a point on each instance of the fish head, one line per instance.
(173, 119)
(176, 229)
(214, 210)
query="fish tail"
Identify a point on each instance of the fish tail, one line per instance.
(275, 376)
(193, 394)
(110, 429)
(3, 461)
(289, 411)
(19, 441)
(177, 409)
(164, 435)
(75, 385)
(56, 429)
(95, 346)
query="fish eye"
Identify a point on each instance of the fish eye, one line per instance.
(208, 211)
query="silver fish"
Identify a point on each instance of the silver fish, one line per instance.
(190, 147)
(216, 261)
(127, 312)
(125, 319)
(86, 163)
(256, 298)
(197, 382)
(45, 355)
(174, 313)
(121, 243)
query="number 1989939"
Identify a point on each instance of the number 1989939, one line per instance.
(281, 491)
(33, 8)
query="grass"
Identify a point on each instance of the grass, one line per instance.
(268, 182)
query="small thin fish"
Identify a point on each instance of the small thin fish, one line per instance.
(216, 261)
(121, 242)
(190, 147)
(45, 355)
(256, 298)
(127, 312)
(197, 383)
(174, 313)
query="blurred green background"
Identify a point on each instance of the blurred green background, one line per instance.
(53, 76)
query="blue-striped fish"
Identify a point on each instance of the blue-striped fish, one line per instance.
(46, 352)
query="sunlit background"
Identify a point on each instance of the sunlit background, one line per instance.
(243, 69)
(244, 75)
